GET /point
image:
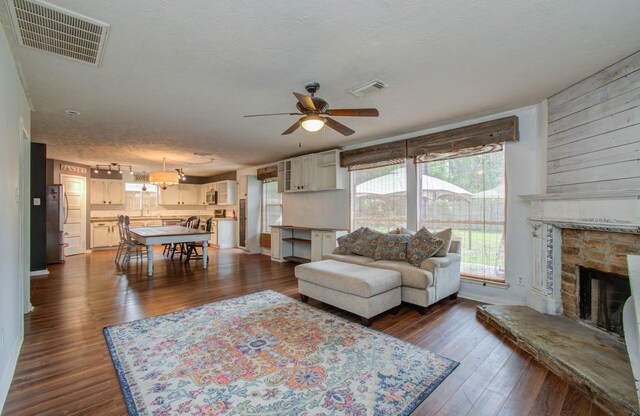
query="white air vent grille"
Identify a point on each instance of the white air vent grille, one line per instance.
(367, 87)
(53, 29)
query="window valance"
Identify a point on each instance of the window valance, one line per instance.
(384, 154)
(268, 173)
(470, 140)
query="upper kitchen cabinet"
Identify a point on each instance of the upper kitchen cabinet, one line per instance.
(107, 192)
(314, 172)
(179, 195)
(227, 192)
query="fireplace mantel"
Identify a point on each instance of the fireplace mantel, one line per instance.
(610, 211)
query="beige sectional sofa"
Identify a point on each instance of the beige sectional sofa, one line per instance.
(435, 279)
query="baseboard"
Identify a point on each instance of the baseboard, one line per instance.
(7, 375)
(44, 272)
(485, 299)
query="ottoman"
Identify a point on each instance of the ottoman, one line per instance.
(365, 291)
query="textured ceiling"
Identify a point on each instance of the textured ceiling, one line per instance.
(177, 76)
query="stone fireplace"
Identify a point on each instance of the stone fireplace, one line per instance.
(571, 231)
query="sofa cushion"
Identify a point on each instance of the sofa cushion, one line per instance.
(392, 247)
(349, 258)
(444, 235)
(411, 276)
(422, 245)
(366, 243)
(349, 278)
(346, 242)
(433, 263)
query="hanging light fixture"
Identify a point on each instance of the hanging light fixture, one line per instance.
(164, 179)
(144, 181)
(312, 123)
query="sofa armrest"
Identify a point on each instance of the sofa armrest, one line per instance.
(456, 247)
(432, 264)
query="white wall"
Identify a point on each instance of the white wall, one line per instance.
(14, 111)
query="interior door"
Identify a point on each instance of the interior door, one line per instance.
(74, 206)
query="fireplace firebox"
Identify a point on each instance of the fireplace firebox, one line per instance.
(602, 297)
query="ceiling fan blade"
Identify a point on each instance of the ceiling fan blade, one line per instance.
(353, 112)
(339, 127)
(293, 128)
(274, 114)
(306, 101)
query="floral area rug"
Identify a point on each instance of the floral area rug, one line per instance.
(268, 354)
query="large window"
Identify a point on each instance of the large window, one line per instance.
(271, 206)
(467, 194)
(138, 200)
(379, 198)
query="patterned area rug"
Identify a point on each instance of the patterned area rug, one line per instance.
(268, 354)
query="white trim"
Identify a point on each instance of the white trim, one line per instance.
(482, 282)
(484, 299)
(43, 272)
(9, 370)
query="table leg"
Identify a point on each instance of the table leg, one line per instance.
(205, 258)
(149, 260)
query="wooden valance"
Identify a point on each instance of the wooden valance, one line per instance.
(374, 156)
(268, 173)
(464, 141)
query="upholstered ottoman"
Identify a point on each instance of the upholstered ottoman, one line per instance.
(362, 290)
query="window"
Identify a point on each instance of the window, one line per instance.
(271, 206)
(137, 200)
(467, 194)
(379, 198)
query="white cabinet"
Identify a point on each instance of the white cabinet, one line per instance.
(276, 253)
(227, 192)
(179, 195)
(314, 172)
(301, 245)
(107, 192)
(104, 234)
(226, 234)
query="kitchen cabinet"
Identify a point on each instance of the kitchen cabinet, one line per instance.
(202, 192)
(107, 192)
(226, 233)
(104, 234)
(179, 195)
(314, 172)
(301, 244)
(227, 192)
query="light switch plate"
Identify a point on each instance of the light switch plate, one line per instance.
(36, 202)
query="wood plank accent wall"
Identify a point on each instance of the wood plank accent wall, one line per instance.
(594, 132)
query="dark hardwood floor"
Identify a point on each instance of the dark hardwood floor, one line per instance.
(65, 368)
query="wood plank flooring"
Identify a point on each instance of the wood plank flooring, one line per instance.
(65, 367)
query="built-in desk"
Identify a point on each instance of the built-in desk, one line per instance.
(302, 244)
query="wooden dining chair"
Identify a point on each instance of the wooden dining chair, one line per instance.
(132, 245)
(122, 244)
(193, 246)
(191, 222)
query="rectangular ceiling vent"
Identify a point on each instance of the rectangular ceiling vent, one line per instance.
(53, 29)
(368, 87)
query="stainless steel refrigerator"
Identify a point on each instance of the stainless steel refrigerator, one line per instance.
(55, 224)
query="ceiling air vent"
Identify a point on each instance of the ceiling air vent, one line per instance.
(367, 87)
(50, 28)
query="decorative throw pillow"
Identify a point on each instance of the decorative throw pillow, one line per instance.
(392, 247)
(367, 243)
(444, 235)
(346, 242)
(404, 231)
(422, 245)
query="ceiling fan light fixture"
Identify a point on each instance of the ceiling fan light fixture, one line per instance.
(312, 123)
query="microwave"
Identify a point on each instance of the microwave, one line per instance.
(212, 197)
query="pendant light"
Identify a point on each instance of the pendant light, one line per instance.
(164, 179)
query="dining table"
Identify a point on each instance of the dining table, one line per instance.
(175, 234)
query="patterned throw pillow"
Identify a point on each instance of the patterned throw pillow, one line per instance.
(444, 235)
(346, 242)
(392, 247)
(422, 245)
(367, 243)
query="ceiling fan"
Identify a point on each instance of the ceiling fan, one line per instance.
(315, 109)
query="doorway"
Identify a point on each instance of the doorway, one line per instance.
(74, 212)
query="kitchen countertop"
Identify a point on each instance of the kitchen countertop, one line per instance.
(115, 219)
